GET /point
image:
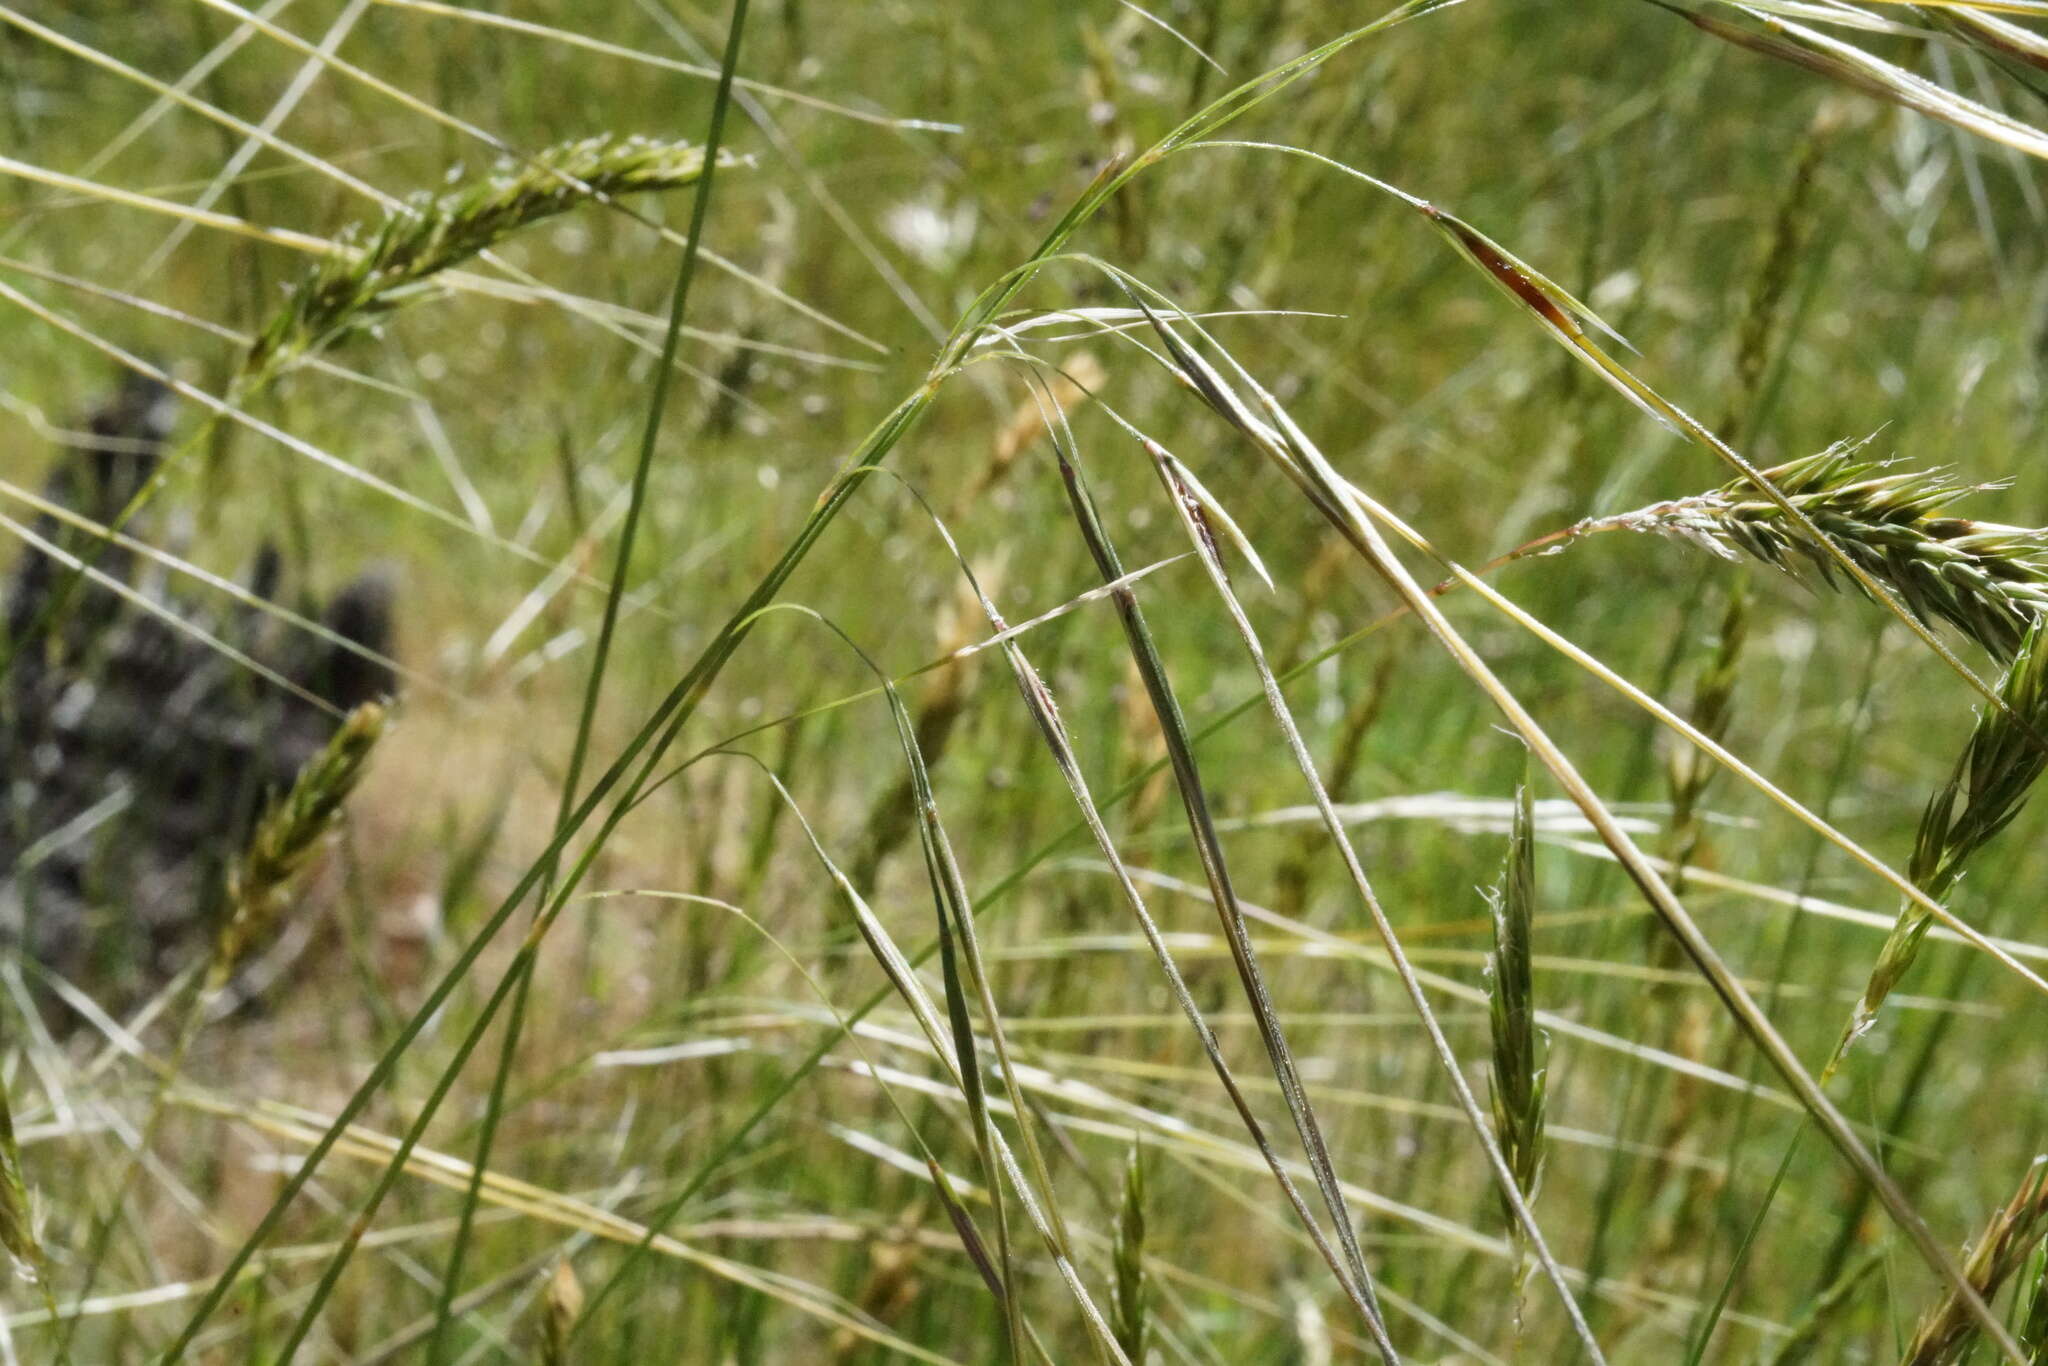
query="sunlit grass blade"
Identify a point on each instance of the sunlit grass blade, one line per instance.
(1850, 66)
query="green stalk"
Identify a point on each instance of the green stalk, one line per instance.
(594, 681)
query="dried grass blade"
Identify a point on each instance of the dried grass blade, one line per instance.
(1357, 517)
(1039, 700)
(362, 1144)
(1513, 1196)
(1195, 804)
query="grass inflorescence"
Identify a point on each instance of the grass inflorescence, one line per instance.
(1987, 580)
(1945, 1335)
(374, 271)
(1992, 779)
(1129, 1312)
(1518, 1046)
(289, 836)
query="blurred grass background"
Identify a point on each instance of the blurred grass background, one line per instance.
(1670, 180)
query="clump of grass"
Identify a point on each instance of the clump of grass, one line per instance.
(1987, 580)
(287, 837)
(1998, 768)
(1946, 1333)
(365, 282)
(1518, 1070)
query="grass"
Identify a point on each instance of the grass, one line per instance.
(838, 883)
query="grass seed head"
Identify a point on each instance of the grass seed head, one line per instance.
(288, 836)
(1998, 768)
(1518, 1071)
(1947, 1333)
(366, 281)
(1988, 581)
(1127, 1304)
(17, 1218)
(561, 1306)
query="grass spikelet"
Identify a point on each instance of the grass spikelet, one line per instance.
(561, 1306)
(367, 281)
(17, 1219)
(1998, 768)
(1518, 1071)
(1987, 580)
(288, 836)
(1946, 1334)
(1127, 1315)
